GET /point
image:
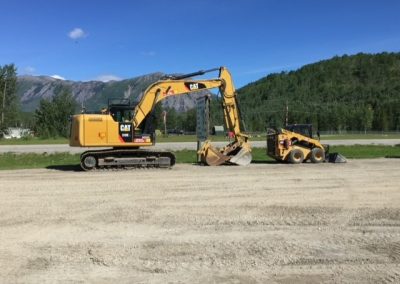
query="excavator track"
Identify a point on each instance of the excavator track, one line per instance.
(125, 158)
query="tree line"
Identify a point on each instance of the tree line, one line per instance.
(359, 92)
(51, 117)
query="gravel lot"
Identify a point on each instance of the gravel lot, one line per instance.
(265, 223)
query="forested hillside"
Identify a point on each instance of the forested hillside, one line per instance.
(359, 92)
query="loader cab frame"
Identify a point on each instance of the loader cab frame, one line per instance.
(303, 129)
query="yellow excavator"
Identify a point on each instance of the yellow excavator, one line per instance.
(124, 128)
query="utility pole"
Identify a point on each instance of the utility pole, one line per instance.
(202, 121)
(4, 101)
(165, 123)
(287, 113)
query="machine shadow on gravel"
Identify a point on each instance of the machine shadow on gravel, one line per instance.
(265, 162)
(65, 168)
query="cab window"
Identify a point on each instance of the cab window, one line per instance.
(121, 115)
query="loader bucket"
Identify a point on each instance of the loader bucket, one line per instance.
(335, 158)
(242, 158)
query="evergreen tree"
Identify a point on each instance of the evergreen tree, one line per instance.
(190, 120)
(8, 97)
(171, 118)
(158, 117)
(52, 116)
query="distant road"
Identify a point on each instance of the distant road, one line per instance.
(52, 148)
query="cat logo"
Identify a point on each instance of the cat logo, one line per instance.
(125, 127)
(194, 86)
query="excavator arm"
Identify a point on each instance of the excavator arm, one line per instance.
(237, 152)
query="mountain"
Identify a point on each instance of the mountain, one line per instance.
(357, 92)
(95, 94)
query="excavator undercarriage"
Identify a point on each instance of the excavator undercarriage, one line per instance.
(126, 158)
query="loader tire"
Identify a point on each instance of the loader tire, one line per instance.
(317, 155)
(296, 156)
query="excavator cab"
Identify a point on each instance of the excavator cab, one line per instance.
(120, 110)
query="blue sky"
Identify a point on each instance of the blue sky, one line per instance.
(87, 40)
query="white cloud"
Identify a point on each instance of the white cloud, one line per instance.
(107, 78)
(77, 33)
(29, 70)
(55, 76)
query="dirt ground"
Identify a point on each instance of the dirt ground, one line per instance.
(265, 223)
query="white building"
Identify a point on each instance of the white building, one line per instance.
(16, 132)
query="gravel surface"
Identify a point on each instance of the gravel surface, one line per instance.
(264, 223)
(52, 148)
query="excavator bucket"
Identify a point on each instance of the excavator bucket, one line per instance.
(213, 157)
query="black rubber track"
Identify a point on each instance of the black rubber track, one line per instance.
(120, 153)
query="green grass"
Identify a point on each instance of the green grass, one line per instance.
(193, 138)
(11, 161)
(360, 136)
(366, 151)
(350, 152)
(69, 161)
